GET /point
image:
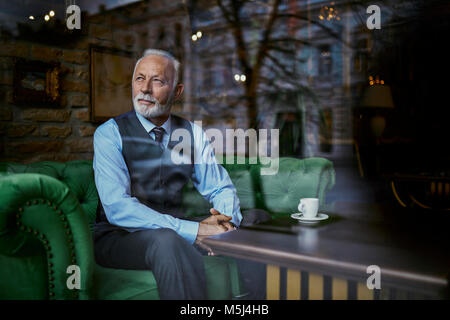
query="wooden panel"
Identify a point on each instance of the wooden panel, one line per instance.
(339, 289)
(364, 293)
(293, 284)
(385, 293)
(401, 295)
(315, 286)
(273, 282)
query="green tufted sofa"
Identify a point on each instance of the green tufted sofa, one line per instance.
(47, 211)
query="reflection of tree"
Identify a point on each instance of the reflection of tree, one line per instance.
(269, 63)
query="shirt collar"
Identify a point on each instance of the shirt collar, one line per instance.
(148, 125)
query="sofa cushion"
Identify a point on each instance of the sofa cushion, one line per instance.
(306, 178)
(120, 284)
(238, 169)
(193, 202)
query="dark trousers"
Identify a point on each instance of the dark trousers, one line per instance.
(176, 264)
(253, 274)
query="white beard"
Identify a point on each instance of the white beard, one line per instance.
(154, 111)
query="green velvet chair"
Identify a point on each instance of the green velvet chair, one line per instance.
(47, 211)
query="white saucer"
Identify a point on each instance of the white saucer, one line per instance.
(299, 216)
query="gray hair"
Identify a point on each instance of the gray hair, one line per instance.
(161, 53)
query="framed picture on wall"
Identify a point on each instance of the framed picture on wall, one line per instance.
(36, 83)
(111, 71)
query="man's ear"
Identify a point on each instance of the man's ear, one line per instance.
(178, 91)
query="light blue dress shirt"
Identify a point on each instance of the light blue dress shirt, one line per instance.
(113, 182)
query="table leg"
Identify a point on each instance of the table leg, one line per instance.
(293, 284)
(315, 286)
(364, 293)
(273, 282)
(339, 289)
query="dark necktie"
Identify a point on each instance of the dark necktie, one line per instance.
(159, 132)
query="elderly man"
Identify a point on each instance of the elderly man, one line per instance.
(140, 223)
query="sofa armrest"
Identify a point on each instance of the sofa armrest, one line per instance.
(37, 207)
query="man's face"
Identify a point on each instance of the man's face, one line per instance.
(153, 91)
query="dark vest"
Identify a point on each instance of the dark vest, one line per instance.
(156, 180)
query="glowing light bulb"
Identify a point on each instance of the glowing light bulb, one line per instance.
(243, 77)
(199, 34)
(47, 17)
(194, 37)
(52, 13)
(31, 17)
(237, 77)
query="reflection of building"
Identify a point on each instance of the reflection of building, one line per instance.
(321, 56)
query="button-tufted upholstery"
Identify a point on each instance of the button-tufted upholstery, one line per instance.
(77, 175)
(47, 212)
(279, 194)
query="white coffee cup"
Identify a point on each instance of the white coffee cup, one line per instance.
(309, 207)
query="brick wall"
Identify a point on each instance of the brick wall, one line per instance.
(32, 133)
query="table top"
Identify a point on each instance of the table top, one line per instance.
(416, 177)
(412, 249)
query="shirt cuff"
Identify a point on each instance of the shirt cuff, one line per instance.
(226, 209)
(237, 218)
(188, 230)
